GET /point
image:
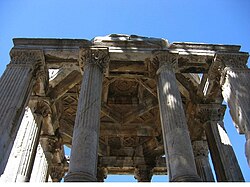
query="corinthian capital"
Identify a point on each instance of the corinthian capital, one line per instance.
(200, 148)
(27, 57)
(165, 59)
(97, 56)
(231, 60)
(210, 112)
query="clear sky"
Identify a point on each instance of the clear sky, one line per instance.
(206, 21)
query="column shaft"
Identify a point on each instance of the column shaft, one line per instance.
(175, 132)
(16, 84)
(223, 157)
(40, 168)
(20, 162)
(83, 159)
(235, 91)
(15, 89)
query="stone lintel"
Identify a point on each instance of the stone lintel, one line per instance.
(48, 43)
(187, 46)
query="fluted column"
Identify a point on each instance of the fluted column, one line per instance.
(223, 157)
(83, 158)
(200, 148)
(15, 88)
(235, 84)
(20, 162)
(177, 142)
(40, 167)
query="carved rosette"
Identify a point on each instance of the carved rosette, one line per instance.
(164, 59)
(97, 56)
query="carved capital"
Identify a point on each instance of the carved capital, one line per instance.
(27, 57)
(97, 56)
(210, 112)
(42, 106)
(231, 60)
(200, 149)
(164, 59)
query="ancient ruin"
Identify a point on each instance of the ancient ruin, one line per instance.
(124, 104)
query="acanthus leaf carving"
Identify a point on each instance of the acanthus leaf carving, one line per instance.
(165, 59)
(232, 60)
(32, 57)
(210, 112)
(97, 56)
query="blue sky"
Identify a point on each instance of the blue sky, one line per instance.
(207, 21)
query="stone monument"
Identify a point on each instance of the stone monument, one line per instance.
(124, 104)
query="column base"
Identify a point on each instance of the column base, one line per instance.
(79, 177)
(187, 178)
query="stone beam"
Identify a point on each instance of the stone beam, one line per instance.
(112, 114)
(142, 108)
(66, 84)
(143, 131)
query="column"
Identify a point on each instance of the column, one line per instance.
(40, 168)
(20, 162)
(15, 88)
(235, 84)
(200, 148)
(177, 142)
(143, 174)
(83, 158)
(223, 157)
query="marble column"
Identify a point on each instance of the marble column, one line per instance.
(143, 174)
(235, 84)
(20, 162)
(15, 89)
(40, 167)
(177, 141)
(223, 157)
(200, 148)
(83, 158)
